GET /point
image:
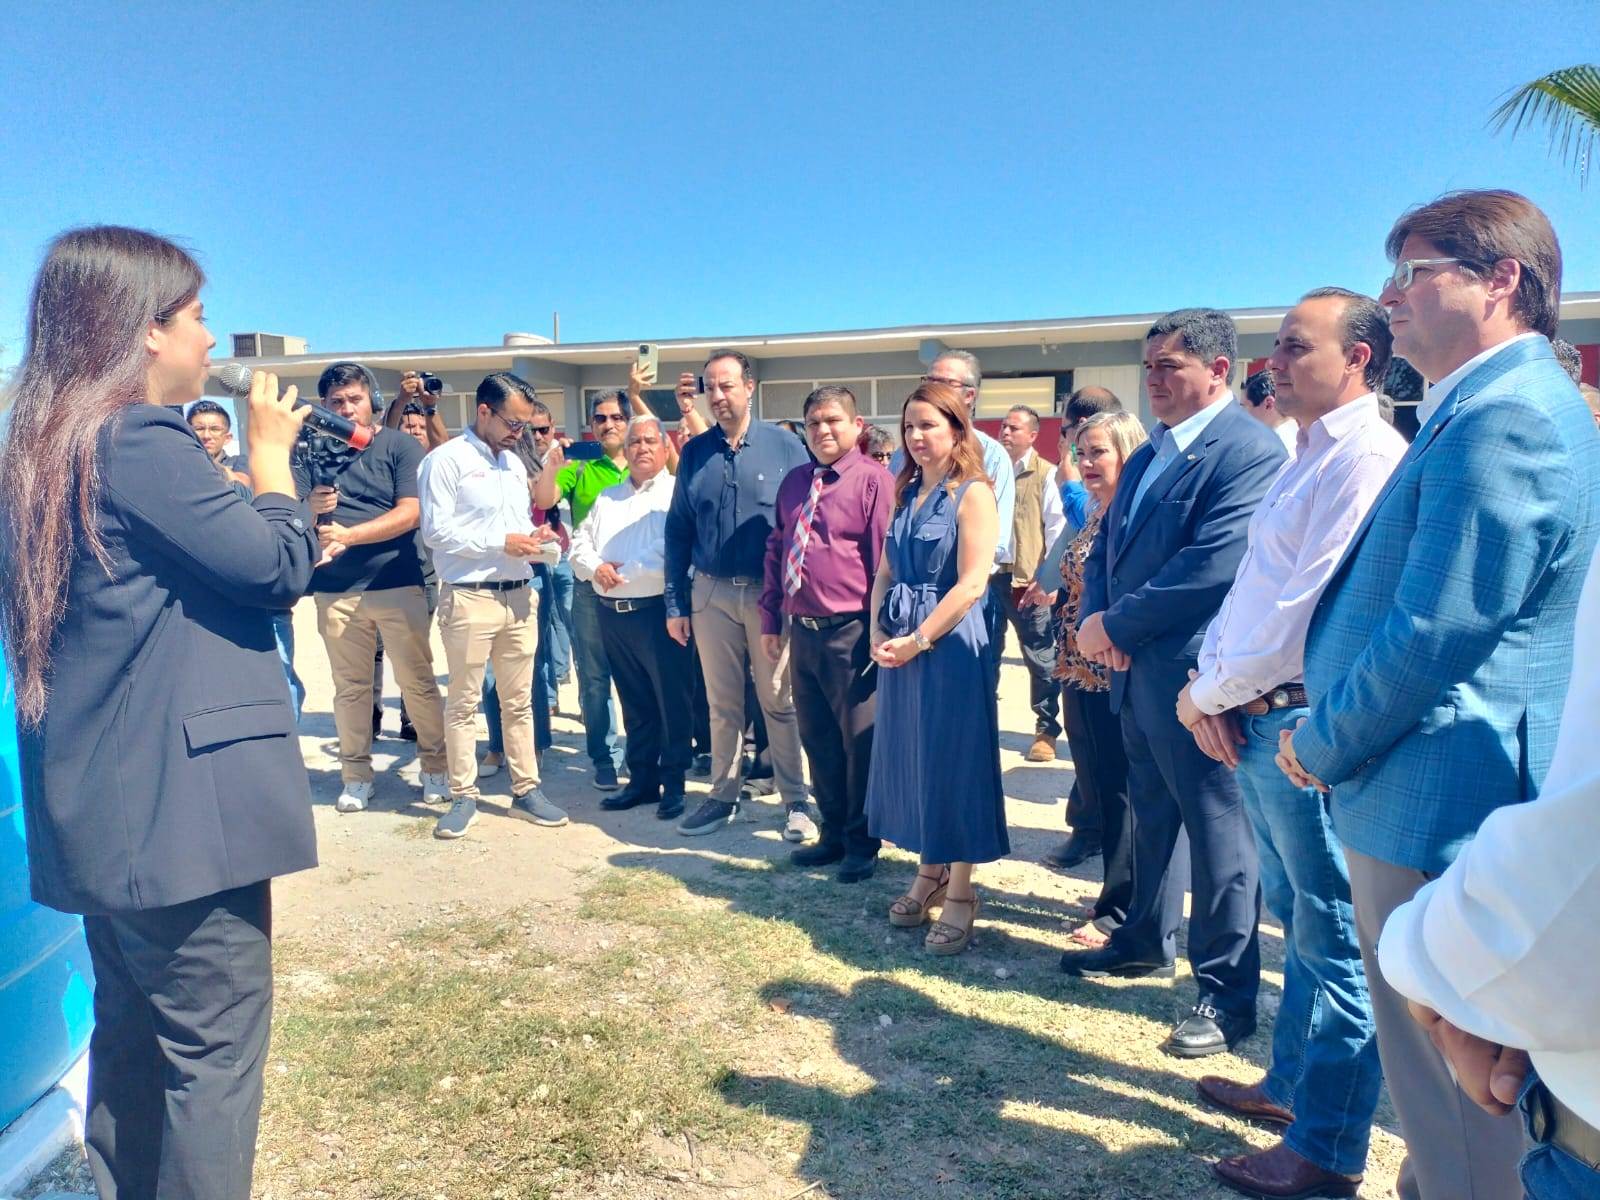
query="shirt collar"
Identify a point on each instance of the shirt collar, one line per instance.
(1342, 421)
(1438, 392)
(848, 461)
(482, 446)
(1186, 432)
(649, 486)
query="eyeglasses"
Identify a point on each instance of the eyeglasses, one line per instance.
(515, 427)
(946, 380)
(883, 456)
(1406, 269)
(608, 419)
(540, 430)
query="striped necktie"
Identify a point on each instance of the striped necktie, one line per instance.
(802, 537)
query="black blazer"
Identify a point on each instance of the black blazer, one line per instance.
(1160, 578)
(166, 767)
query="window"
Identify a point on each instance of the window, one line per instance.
(783, 398)
(998, 395)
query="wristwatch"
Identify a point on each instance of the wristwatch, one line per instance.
(922, 642)
(430, 409)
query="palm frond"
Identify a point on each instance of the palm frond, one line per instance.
(1567, 103)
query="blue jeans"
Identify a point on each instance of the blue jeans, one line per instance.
(283, 633)
(1324, 1044)
(594, 679)
(541, 664)
(1550, 1173)
(561, 585)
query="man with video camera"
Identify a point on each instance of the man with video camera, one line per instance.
(370, 579)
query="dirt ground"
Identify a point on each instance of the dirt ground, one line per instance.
(1113, 1117)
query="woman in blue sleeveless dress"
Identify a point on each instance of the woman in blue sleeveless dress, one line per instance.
(934, 785)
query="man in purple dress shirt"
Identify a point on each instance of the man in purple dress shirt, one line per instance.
(822, 555)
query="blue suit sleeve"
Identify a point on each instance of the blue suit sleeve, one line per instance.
(1492, 515)
(259, 554)
(1190, 587)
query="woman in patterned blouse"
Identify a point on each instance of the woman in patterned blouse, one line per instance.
(1105, 441)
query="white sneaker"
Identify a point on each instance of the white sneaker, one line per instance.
(487, 768)
(354, 797)
(435, 787)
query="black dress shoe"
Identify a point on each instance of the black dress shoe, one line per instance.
(854, 869)
(1208, 1031)
(820, 854)
(1078, 848)
(631, 796)
(408, 731)
(670, 806)
(1094, 964)
(701, 766)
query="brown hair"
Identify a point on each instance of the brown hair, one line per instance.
(966, 459)
(96, 294)
(1483, 227)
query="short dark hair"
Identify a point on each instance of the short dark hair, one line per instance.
(1365, 320)
(1482, 227)
(831, 393)
(738, 357)
(1569, 358)
(1087, 401)
(339, 374)
(500, 386)
(201, 408)
(1206, 333)
(413, 409)
(609, 396)
(1259, 388)
(1033, 417)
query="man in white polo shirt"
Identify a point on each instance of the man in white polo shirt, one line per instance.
(477, 516)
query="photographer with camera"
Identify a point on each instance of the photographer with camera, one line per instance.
(423, 389)
(370, 579)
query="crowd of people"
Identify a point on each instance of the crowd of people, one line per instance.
(1297, 662)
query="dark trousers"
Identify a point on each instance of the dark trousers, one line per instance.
(1189, 823)
(1036, 636)
(182, 1012)
(835, 702)
(994, 620)
(1100, 764)
(702, 709)
(655, 681)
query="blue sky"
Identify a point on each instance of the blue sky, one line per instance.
(410, 175)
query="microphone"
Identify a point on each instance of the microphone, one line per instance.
(236, 378)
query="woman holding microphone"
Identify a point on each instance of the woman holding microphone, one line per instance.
(162, 784)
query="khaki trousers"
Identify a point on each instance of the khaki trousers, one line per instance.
(350, 623)
(727, 634)
(479, 626)
(1454, 1150)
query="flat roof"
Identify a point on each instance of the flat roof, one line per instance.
(1576, 306)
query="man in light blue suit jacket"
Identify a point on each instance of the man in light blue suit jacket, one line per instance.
(1438, 658)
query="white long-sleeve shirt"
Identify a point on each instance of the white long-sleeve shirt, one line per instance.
(472, 497)
(1051, 509)
(1297, 536)
(627, 525)
(1506, 943)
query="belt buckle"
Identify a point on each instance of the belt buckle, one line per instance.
(809, 622)
(623, 606)
(1280, 699)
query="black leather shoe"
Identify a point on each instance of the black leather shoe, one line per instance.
(670, 806)
(1095, 964)
(1078, 848)
(820, 854)
(1208, 1031)
(700, 768)
(630, 797)
(854, 870)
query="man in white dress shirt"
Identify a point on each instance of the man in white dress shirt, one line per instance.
(477, 516)
(621, 547)
(1500, 956)
(1331, 352)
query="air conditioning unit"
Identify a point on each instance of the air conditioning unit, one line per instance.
(266, 345)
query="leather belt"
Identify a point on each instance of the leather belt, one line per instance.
(1285, 695)
(635, 604)
(493, 585)
(739, 580)
(832, 621)
(1553, 1123)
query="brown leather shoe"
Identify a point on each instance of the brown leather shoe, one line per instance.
(1281, 1174)
(1242, 1100)
(1043, 748)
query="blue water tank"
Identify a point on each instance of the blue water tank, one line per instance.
(46, 983)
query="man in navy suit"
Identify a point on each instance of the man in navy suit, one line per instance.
(1163, 562)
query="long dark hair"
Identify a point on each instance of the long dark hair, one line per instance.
(96, 295)
(966, 458)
